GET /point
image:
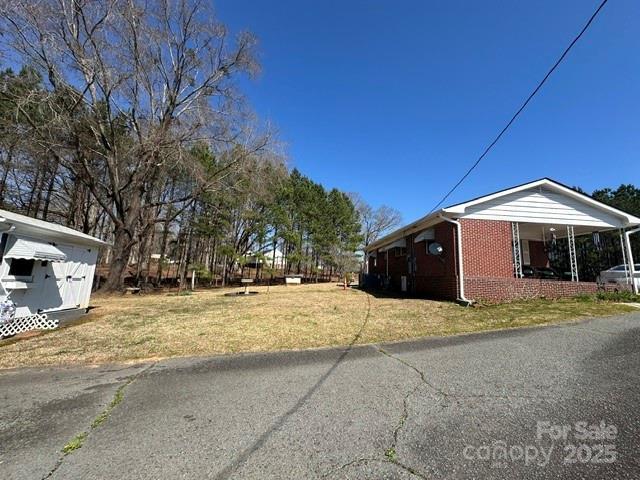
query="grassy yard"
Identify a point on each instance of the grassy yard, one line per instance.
(133, 328)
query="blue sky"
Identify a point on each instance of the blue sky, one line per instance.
(394, 100)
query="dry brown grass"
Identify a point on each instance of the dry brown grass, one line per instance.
(131, 328)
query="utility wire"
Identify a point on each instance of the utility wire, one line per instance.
(529, 98)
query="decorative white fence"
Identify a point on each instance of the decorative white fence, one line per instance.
(24, 324)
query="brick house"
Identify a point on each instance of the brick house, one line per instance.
(485, 249)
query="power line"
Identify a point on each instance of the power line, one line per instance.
(529, 98)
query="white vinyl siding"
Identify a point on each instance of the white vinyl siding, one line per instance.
(541, 206)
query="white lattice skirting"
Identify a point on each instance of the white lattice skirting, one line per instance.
(24, 324)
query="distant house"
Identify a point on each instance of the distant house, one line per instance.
(157, 257)
(269, 260)
(45, 268)
(490, 248)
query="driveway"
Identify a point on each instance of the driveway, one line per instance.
(505, 404)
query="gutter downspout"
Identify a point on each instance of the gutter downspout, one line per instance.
(632, 270)
(462, 298)
(386, 263)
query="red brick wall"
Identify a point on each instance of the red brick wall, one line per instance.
(436, 276)
(438, 266)
(397, 266)
(537, 255)
(444, 287)
(486, 248)
(505, 289)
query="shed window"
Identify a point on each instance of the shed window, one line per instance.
(21, 267)
(400, 251)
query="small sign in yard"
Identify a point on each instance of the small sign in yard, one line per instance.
(246, 282)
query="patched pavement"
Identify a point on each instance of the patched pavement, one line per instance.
(495, 405)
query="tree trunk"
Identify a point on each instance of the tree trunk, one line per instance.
(52, 182)
(32, 195)
(214, 278)
(5, 175)
(121, 251)
(224, 270)
(163, 251)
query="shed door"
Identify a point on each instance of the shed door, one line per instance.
(62, 291)
(55, 292)
(75, 276)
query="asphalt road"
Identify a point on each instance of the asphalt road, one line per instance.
(474, 406)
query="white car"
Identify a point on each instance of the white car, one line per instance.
(617, 274)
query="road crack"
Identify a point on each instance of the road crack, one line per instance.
(423, 378)
(409, 469)
(76, 442)
(391, 453)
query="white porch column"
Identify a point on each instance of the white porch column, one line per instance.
(623, 246)
(573, 261)
(517, 249)
(632, 270)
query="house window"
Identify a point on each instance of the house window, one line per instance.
(21, 267)
(400, 251)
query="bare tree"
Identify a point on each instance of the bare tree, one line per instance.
(132, 85)
(375, 221)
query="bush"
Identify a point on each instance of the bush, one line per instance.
(622, 296)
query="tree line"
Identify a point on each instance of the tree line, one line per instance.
(124, 119)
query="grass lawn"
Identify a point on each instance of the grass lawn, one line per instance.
(129, 328)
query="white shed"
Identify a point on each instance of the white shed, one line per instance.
(46, 270)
